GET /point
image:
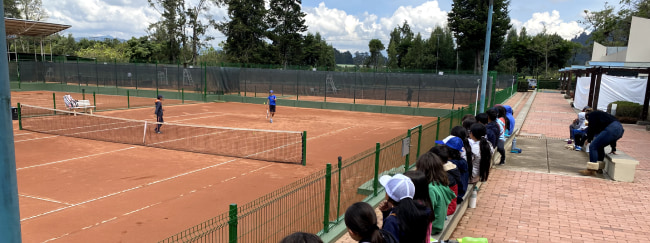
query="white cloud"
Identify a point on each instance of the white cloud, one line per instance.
(349, 32)
(122, 19)
(553, 24)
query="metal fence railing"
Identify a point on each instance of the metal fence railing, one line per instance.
(317, 202)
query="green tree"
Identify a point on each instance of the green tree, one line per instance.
(286, 22)
(198, 28)
(245, 32)
(317, 53)
(414, 58)
(401, 39)
(104, 53)
(11, 9)
(143, 50)
(32, 10)
(467, 19)
(375, 47)
(168, 30)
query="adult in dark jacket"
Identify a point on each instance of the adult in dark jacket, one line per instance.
(492, 136)
(493, 126)
(604, 129)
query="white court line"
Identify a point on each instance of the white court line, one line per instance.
(32, 139)
(24, 133)
(130, 189)
(152, 205)
(82, 157)
(44, 199)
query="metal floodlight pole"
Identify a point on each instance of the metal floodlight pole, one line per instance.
(9, 210)
(486, 56)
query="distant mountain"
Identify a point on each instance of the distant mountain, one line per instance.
(584, 54)
(99, 38)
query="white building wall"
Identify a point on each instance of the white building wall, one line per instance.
(639, 41)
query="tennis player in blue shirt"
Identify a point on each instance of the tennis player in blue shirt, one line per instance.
(272, 104)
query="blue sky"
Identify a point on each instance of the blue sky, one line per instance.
(346, 24)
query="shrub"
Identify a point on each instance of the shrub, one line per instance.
(626, 112)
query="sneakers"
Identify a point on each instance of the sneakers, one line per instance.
(587, 172)
(159, 132)
(271, 120)
(578, 148)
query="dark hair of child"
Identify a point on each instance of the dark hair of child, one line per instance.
(413, 219)
(502, 113)
(442, 151)
(301, 237)
(421, 189)
(482, 118)
(461, 132)
(492, 114)
(361, 219)
(467, 123)
(431, 165)
(478, 131)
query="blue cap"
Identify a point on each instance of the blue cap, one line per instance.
(271, 91)
(452, 142)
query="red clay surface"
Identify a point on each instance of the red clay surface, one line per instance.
(78, 190)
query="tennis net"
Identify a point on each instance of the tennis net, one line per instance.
(267, 145)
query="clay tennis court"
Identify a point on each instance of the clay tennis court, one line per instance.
(80, 190)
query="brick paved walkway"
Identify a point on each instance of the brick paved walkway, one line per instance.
(517, 206)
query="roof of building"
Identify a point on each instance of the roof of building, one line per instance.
(21, 27)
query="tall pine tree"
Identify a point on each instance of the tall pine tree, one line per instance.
(245, 32)
(286, 22)
(468, 20)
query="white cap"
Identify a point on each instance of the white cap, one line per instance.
(398, 186)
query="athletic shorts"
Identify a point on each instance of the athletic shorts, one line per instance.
(271, 108)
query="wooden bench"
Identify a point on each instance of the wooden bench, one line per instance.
(82, 105)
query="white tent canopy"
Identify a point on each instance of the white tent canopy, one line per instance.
(612, 89)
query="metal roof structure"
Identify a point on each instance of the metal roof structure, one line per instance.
(21, 27)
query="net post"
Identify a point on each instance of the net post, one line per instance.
(417, 153)
(328, 188)
(144, 135)
(304, 148)
(338, 200)
(232, 224)
(438, 128)
(128, 100)
(20, 117)
(94, 102)
(408, 156)
(375, 182)
(54, 101)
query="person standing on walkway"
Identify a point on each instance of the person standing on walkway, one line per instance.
(272, 99)
(604, 129)
(159, 114)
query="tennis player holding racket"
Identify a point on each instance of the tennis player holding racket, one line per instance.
(271, 109)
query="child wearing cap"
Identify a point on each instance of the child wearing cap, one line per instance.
(403, 218)
(455, 155)
(272, 99)
(432, 166)
(159, 113)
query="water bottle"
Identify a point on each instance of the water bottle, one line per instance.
(473, 240)
(472, 199)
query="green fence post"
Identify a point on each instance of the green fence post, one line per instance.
(128, 100)
(96, 73)
(375, 183)
(255, 91)
(54, 102)
(437, 128)
(408, 155)
(338, 200)
(328, 188)
(115, 68)
(20, 122)
(18, 70)
(94, 102)
(135, 73)
(451, 117)
(385, 89)
(205, 82)
(83, 94)
(183, 95)
(232, 224)
(156, 78)
(419, 141)
(304, 148)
